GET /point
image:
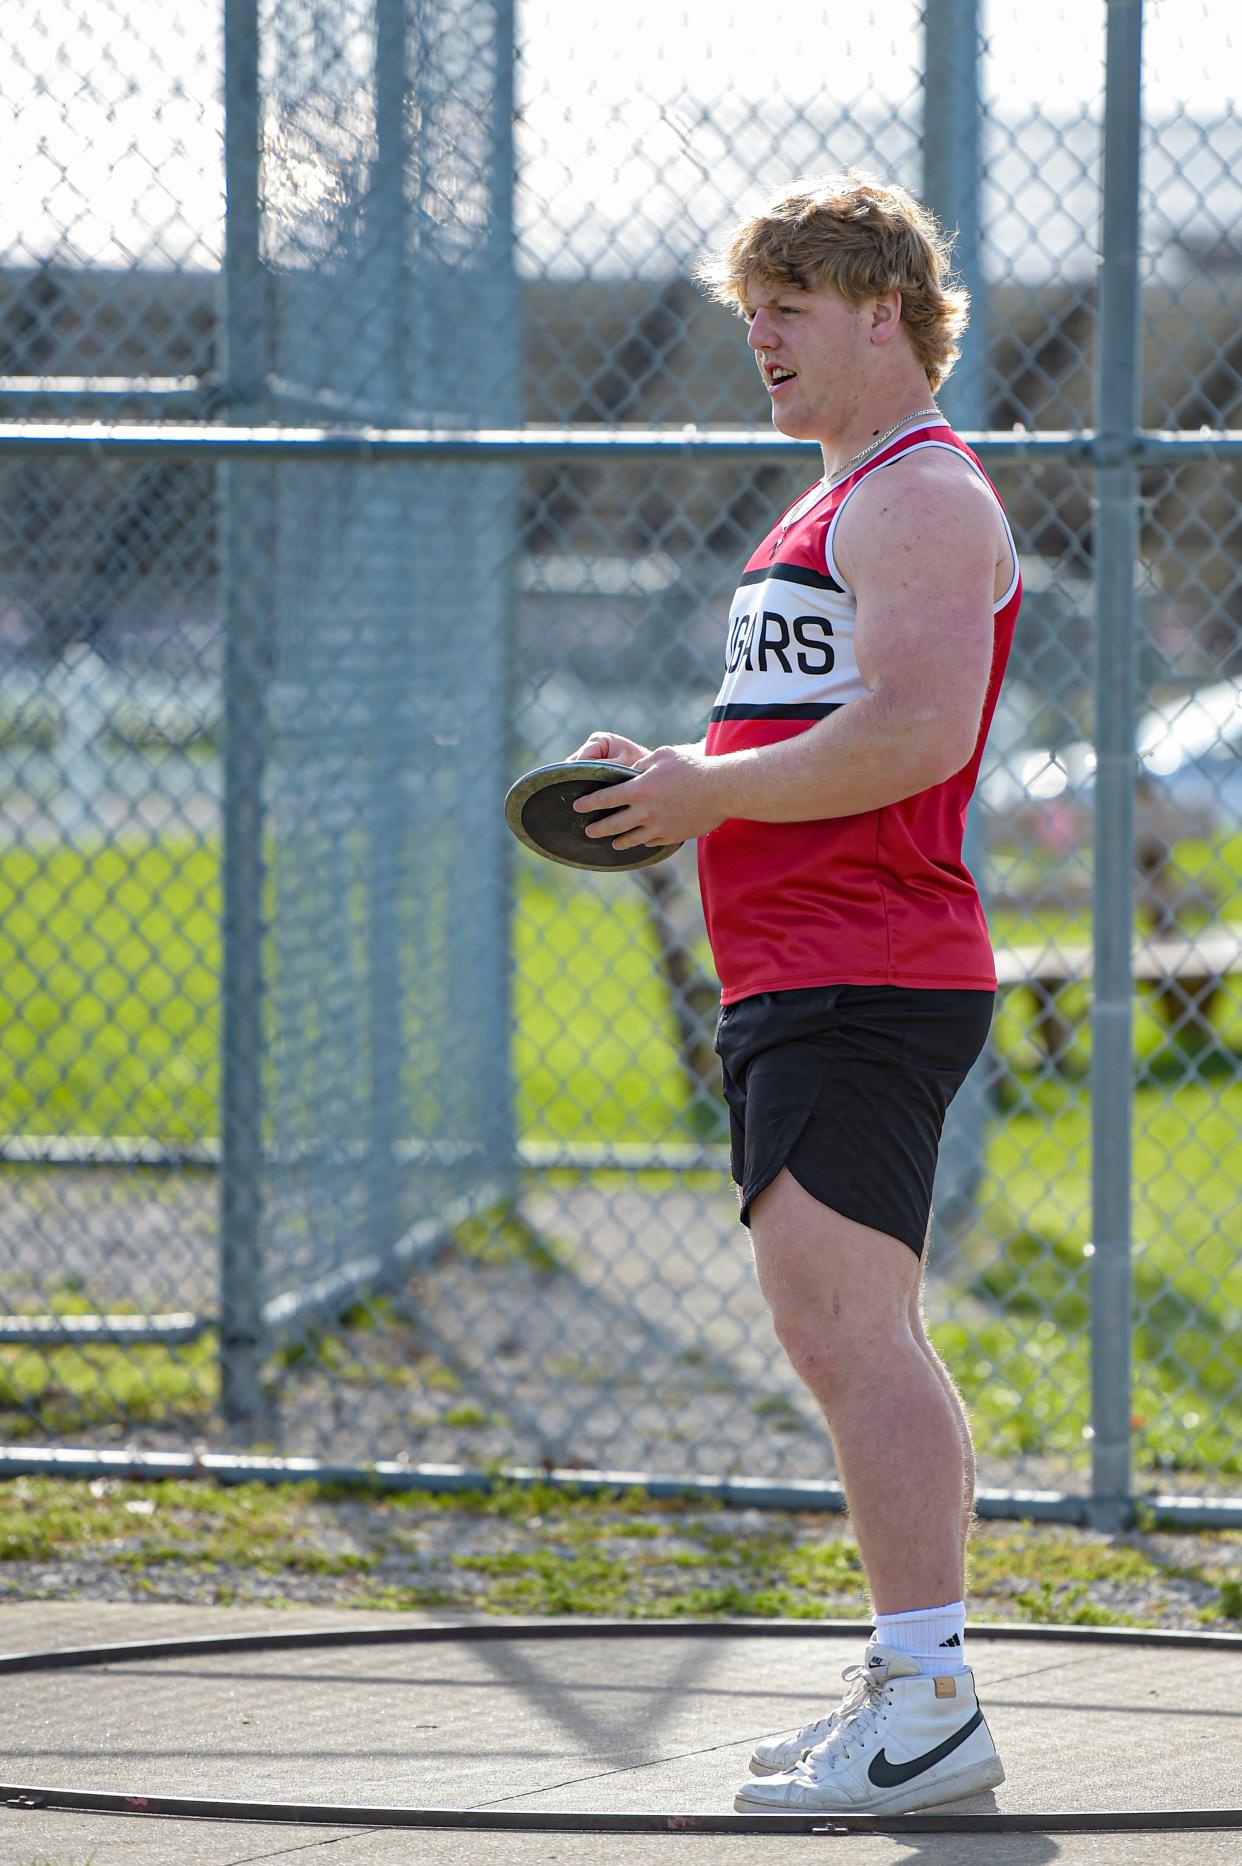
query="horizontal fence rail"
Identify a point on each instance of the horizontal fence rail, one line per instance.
(483, 446)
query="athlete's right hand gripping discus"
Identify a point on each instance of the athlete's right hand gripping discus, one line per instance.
(539, 810)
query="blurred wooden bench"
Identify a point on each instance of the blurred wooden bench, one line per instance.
(1186, 971)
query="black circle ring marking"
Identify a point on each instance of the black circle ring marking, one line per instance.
(200, 1807)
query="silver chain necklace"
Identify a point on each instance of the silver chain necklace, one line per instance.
(827, 485)
(873, 447)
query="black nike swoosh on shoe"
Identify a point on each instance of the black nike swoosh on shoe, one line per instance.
(886, 1774)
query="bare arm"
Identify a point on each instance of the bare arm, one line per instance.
(918, 544)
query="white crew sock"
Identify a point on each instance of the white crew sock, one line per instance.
(934, 1636)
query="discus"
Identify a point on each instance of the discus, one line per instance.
(539, 810)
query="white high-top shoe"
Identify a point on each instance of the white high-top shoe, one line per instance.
(773, 1755)
(900, 1740)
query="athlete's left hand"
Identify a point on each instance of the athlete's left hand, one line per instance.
(669, 799)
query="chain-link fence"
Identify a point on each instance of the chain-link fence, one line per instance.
(335, 1126)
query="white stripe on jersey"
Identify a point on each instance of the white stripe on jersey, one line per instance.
(789, 645)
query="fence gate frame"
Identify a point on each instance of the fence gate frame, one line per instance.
(237, 428)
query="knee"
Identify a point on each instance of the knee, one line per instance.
(818, 1352)
(835, 1357)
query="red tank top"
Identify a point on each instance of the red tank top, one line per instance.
(881, 898)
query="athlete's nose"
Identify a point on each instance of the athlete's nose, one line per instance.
(761, 335)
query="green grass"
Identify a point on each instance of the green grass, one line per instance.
(109, 1013)
(109, 1024)
(109, 1009)
(551, 1551)
(70, 1391)
(1022, 1357)
(73, 1390)
(595, 1053)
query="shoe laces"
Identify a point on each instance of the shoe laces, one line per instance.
(811, 1733)
(852, 1721)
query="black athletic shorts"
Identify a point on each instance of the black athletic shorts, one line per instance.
(847, 1086)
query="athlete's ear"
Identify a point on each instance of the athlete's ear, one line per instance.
(885, 317)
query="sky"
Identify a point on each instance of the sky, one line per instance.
(113, 156)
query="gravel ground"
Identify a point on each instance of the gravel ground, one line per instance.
(644, 1344)
(640, 1344)
(110, 1541)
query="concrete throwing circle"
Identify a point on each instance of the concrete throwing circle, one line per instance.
(611, 1726)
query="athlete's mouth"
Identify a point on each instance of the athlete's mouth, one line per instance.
(777, 375)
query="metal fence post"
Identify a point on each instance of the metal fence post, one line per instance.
(952, 134)
(467, 292)
(388, 277)
(498, 904)
(244, 511)
(1116, 554)
(952, 140)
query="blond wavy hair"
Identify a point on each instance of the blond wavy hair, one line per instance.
(865, 238)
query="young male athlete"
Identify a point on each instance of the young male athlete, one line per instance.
(866, 645)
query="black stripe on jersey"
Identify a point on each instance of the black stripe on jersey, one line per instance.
(793, 573)
(808, 711)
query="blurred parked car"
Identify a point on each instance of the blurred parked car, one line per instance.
(1189, 781)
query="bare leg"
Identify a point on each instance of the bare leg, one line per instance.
(842, 1297)
(945, 1378)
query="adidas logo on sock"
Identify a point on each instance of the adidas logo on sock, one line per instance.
(953, 1640)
